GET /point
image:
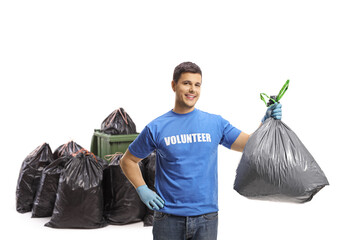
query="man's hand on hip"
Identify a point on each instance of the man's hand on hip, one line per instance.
(150, 198)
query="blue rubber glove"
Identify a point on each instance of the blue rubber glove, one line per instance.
(150, 198)
(273, 111)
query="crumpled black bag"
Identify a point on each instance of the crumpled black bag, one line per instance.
(67, 149)
(79, 199)
(122, 204)
(149, 177)
(118, 123)
(276, 166)
(46, 194)
(29, 177)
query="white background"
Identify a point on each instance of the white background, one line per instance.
(66, 65)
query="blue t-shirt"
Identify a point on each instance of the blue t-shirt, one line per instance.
(186, 159)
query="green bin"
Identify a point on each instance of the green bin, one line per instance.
(103, 144)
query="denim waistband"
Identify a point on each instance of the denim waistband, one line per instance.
(157, 213)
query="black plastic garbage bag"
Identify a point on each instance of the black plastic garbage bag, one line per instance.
(118, 123)
(67, 149)
(46, 194)
(122, 205)
(276, 166)
(149, 177)
(79, 199)
(29, 177)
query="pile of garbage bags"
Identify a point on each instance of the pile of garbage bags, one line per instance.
(47, 189)
(77, 189)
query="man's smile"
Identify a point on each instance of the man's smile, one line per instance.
(190, 96)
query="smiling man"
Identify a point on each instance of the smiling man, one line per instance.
(187, 90)
(186, 141)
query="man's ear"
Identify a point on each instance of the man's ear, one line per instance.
(173, 84)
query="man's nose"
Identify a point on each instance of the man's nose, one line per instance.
(191, 89)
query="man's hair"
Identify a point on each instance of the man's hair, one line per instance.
(185, 67)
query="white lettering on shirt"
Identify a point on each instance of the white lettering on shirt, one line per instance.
(167, 141)
(194, 137)
(183, 138)
(208, 138)
(187, 138)
(199, 137)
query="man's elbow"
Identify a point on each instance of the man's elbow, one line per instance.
(240, 142)
(128, 159)
(123, 161)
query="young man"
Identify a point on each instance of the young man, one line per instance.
(186, 142)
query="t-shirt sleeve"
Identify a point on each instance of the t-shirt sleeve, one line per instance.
(230, 134)
(143, 145)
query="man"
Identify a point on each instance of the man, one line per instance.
(186, 141)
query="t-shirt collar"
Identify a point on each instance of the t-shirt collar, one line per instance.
(184, 114)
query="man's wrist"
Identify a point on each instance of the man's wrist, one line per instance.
(141, 187)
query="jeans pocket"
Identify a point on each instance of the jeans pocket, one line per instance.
(211, 216)
(160, 215)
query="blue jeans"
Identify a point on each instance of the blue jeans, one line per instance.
(171, 227)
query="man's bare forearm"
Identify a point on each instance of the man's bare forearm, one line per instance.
(130, 167)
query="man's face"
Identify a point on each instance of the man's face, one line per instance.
(187, 90)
